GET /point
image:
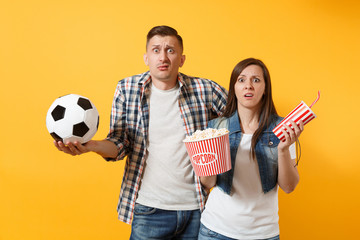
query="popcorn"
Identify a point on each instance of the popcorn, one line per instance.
(209, 151)
(206, 134)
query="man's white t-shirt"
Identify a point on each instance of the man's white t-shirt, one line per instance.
(248, 213)
(168, 178)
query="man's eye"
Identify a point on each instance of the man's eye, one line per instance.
(170, 50)
(156, 50)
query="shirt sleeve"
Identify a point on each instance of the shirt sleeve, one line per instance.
(118, 133)
(292, 150)
(219, 98)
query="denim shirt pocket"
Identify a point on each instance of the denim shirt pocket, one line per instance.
(267, 156)
(224, 180)
(269, 143)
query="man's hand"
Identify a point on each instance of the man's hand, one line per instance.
(75, 148)
(104, 148)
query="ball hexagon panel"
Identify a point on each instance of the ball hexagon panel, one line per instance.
(74, 113)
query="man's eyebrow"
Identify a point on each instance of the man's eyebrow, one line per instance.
(160, 45)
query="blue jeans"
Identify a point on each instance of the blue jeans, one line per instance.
(207, 234)
(154, 223)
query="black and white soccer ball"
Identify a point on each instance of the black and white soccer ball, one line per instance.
(72, 118)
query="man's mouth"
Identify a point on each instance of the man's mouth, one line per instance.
(163, 67)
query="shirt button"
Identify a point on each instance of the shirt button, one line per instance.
(271, 143)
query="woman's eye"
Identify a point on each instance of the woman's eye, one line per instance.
(241, 80)
(256, 80)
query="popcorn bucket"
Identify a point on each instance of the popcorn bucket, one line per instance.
(301, 112)
(210, 156)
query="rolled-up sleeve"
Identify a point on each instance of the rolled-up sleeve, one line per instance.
(118, 133)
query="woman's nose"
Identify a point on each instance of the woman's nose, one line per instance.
(248, 85)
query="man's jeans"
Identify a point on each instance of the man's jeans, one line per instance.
(153, 223)
(207, 234)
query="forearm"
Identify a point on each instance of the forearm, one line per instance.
(208, 182)
(105, 148)
(288, 175)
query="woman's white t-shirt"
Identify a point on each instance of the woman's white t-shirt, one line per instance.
(247, 213)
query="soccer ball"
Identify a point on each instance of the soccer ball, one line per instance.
(72, 118)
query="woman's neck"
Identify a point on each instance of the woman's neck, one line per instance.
(249, 120)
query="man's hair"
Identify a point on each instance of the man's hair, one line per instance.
(164, 31)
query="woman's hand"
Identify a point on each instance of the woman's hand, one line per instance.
(288, 175)
(291, 135)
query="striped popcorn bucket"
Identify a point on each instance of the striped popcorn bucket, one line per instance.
(301, 112)
(210, 156)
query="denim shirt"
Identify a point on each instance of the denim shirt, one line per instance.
(265, 150)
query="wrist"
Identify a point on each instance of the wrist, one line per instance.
(92, 146)
(283, 150)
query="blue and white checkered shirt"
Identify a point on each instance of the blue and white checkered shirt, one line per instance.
(199, 101)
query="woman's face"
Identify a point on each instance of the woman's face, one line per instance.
(250, 88)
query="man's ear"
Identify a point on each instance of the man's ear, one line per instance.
(146, 59)
(183, 57)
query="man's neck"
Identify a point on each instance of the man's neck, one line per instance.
(164, 84)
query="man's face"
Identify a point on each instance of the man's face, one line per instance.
(164, 58)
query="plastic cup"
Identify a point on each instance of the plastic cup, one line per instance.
(301, 112)
(210, 156)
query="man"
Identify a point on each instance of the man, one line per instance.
(151, 114)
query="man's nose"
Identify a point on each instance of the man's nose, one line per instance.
(163, 56)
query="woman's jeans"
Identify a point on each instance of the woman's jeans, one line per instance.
(153, 223)
(207, 234)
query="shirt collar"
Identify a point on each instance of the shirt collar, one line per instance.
(145, 79)
(234, 123)
(181, 79)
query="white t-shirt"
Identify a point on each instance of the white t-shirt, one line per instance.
(248, 213)
(168, 178)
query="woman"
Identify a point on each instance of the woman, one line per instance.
(243, 203)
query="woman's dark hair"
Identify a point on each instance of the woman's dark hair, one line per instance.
(164, 31)
(267, 108)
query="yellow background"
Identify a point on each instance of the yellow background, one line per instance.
(52, 48)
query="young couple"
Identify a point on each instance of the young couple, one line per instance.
(152, 113)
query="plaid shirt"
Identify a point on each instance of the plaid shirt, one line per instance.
(199, 101)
